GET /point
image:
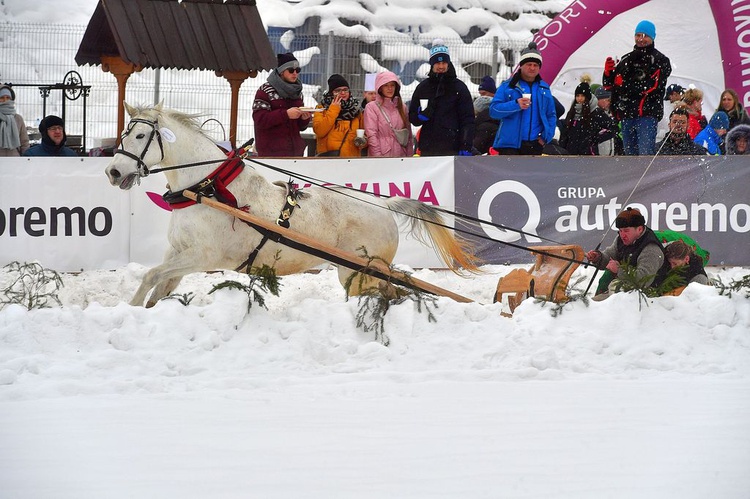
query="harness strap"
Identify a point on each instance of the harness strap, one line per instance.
(215, 185)
(292, 194)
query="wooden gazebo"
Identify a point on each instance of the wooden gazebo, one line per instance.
(226, 36)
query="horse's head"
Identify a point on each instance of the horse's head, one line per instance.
(141, 148)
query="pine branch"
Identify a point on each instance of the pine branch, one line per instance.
(375, 301)
(263, 280)
(33, 286)
(734, 286)
(576, 294)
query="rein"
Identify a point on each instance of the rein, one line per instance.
(466, 218)
(209, 187)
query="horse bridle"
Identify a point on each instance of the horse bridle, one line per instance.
(143, 170)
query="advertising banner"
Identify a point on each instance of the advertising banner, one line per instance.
(560, 200)
(427, 180)
(734, 39)
(64, 213)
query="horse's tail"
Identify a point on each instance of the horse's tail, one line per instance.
(424, 220)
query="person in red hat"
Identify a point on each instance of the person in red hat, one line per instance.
(636, 245)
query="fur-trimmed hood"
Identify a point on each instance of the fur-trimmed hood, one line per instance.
(734, 133)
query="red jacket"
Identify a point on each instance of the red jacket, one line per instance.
(275, 133)
(696, 123)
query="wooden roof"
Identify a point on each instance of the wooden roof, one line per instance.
(192, 34)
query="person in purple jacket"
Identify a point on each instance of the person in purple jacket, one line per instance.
(276, 111)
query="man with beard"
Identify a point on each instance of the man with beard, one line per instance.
(678, 142)
(276, 111)
(637, 84)
(443, 107)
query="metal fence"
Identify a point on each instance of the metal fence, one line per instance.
(37, 55)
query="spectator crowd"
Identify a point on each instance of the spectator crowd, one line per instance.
(633, 111)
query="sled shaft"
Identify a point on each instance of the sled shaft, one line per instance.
(309, 245)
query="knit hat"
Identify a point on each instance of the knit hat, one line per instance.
(286, 61)
(647, 28)
(630, 217)
(488, 85)
(585, 89)
(602, 93)
(49, 122)
(719, 120)
(530, 54)
(6, 92)
(439, 52)
(336, 81)
(46, 124)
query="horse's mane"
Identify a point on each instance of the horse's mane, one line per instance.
(188, 120)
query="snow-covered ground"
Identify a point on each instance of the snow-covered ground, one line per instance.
(615, 399)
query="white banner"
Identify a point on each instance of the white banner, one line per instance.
(64, 213)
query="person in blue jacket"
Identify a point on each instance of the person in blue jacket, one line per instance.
(712, 137)
(52, 130)
(526, 108)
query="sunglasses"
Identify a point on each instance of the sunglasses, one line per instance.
(294, 70)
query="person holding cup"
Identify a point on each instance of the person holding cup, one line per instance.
(278, 112)
(526, 107)
(442, 106)
(336, 125)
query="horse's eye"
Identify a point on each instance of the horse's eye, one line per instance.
(140, 135)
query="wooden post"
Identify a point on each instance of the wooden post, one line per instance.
(355, 262)
(122, 71)
(235, 79)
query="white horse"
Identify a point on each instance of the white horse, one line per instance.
(204, 238)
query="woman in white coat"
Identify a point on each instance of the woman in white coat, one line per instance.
(387, 124)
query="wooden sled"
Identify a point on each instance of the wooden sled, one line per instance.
(547, 278)
(675, 291)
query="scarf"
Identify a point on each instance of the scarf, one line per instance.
(579, 111)
(9, 135)
(350, 109)
(285, 89)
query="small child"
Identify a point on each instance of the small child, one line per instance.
(712, 137)
(585, 126)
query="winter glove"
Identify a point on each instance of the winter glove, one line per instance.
(609, 66)
(421, 116)
(465, 153)
(618, 80)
